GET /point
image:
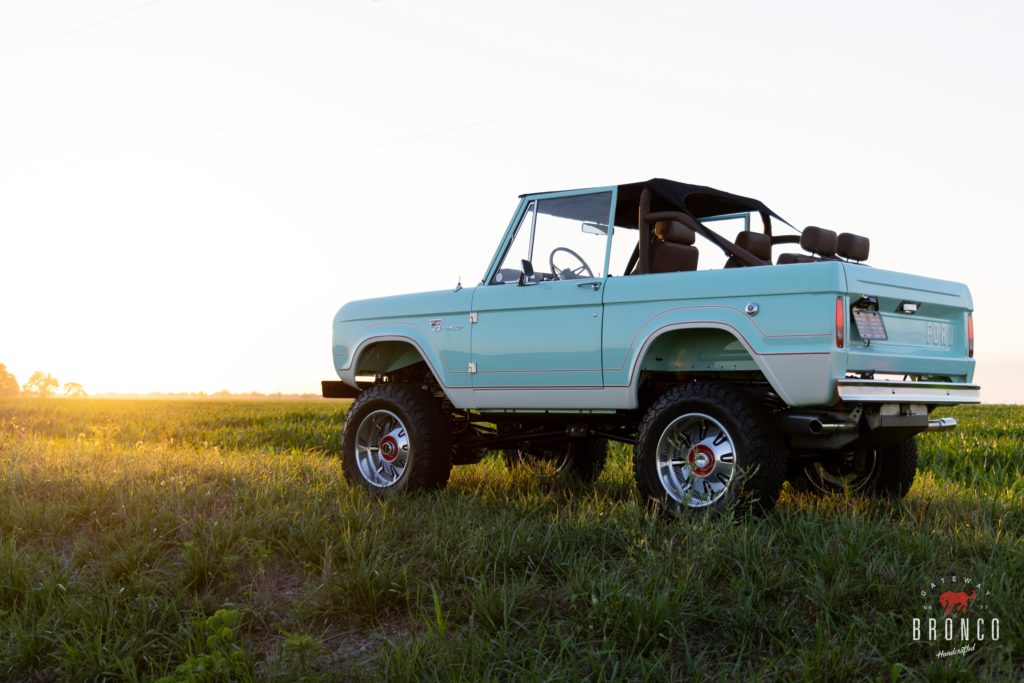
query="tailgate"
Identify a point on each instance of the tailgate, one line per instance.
(925, 327)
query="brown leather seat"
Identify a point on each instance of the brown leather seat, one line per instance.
(672, 249)
(757, 243)
(853, 247)
(819, 241)
(795, 258)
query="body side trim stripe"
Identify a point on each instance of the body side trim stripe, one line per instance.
(728, 308)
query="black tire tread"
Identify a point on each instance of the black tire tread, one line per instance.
(428, 427)
(897, 467)
(587, 457)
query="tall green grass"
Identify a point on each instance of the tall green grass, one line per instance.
(218, 541)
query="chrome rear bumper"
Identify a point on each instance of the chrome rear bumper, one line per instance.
(884, 391)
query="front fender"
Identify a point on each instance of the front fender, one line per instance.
(363, 355)
(383, 335)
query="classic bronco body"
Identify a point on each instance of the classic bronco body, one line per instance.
(602, 318)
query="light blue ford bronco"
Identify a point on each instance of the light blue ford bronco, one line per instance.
(730, 350)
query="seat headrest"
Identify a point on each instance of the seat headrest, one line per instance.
(757, 243)
(675, 232)
(818, 241)
(796, 258)
(853, 247)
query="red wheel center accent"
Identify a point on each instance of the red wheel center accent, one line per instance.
(702, 460)
(388, 448)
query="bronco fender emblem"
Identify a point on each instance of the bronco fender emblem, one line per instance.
(437, 325)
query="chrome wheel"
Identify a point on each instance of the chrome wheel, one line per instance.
(695, 460)
(705, 447)
(382, 448)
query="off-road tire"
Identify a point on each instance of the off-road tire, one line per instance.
(889, 473)
(429, 461)
(758, 461)
(583, 458)
(897, 467)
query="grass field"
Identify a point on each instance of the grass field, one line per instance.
(217, 541)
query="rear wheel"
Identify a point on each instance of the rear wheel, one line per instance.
(396, 440)
(702, 447)
(881, 472)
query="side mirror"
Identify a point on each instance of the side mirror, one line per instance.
(527, 273)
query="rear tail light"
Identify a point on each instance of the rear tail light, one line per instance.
(840, 323)
(970, 335)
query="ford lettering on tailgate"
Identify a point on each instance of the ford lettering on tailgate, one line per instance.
(939, 334)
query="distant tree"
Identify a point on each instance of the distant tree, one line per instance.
(74, 390)
(40, 384)
(8, 383)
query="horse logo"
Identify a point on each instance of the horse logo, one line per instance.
(951, 601)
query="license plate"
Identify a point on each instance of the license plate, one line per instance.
(870, 325)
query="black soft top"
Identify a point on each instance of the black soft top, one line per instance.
(699, 201)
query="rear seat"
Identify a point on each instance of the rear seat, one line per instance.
(853, 247)
(819, 241)
(757, 243)
(672, 250)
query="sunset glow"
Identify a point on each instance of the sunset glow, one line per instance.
(190, 190)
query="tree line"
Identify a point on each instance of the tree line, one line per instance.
(40, 384)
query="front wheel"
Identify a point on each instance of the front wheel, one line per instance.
(396, 440)
(702, 447)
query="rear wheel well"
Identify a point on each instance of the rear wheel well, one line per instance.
(698, 355)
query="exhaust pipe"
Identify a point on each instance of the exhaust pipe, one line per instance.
(817, 427)
(941, 424)
(798, 424)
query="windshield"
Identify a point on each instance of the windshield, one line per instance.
(561, 237)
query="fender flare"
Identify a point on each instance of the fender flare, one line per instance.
(758, 358)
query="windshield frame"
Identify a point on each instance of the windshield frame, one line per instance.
(524, 203)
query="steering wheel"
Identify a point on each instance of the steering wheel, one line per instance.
(569, 273)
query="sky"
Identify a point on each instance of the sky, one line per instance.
(190, 189)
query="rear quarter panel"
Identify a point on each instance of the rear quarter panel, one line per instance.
(791, 339)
